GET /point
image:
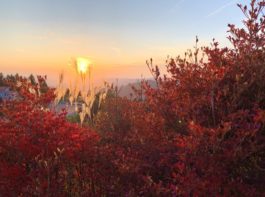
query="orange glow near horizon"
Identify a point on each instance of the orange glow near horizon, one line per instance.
(52, 55)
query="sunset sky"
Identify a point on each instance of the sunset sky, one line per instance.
(41, 36)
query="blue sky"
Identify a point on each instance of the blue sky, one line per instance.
(118, 35)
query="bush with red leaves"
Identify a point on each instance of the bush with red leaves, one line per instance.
(220, 105)
(39, 150)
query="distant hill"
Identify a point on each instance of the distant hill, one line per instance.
(127, 91)
(122, 81)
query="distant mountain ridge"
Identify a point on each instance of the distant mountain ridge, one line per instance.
(127, 90)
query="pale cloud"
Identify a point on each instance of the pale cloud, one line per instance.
(116, 51)
(176, 6)
(20, 50)
(220, 9)
(67, 41)
(46, 35)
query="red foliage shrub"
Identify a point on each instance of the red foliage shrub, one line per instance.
(136, 146)
(222, 150)
(39, 148)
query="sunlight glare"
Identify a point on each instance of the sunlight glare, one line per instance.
(82, 65)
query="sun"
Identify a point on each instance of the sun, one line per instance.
(82, 65)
